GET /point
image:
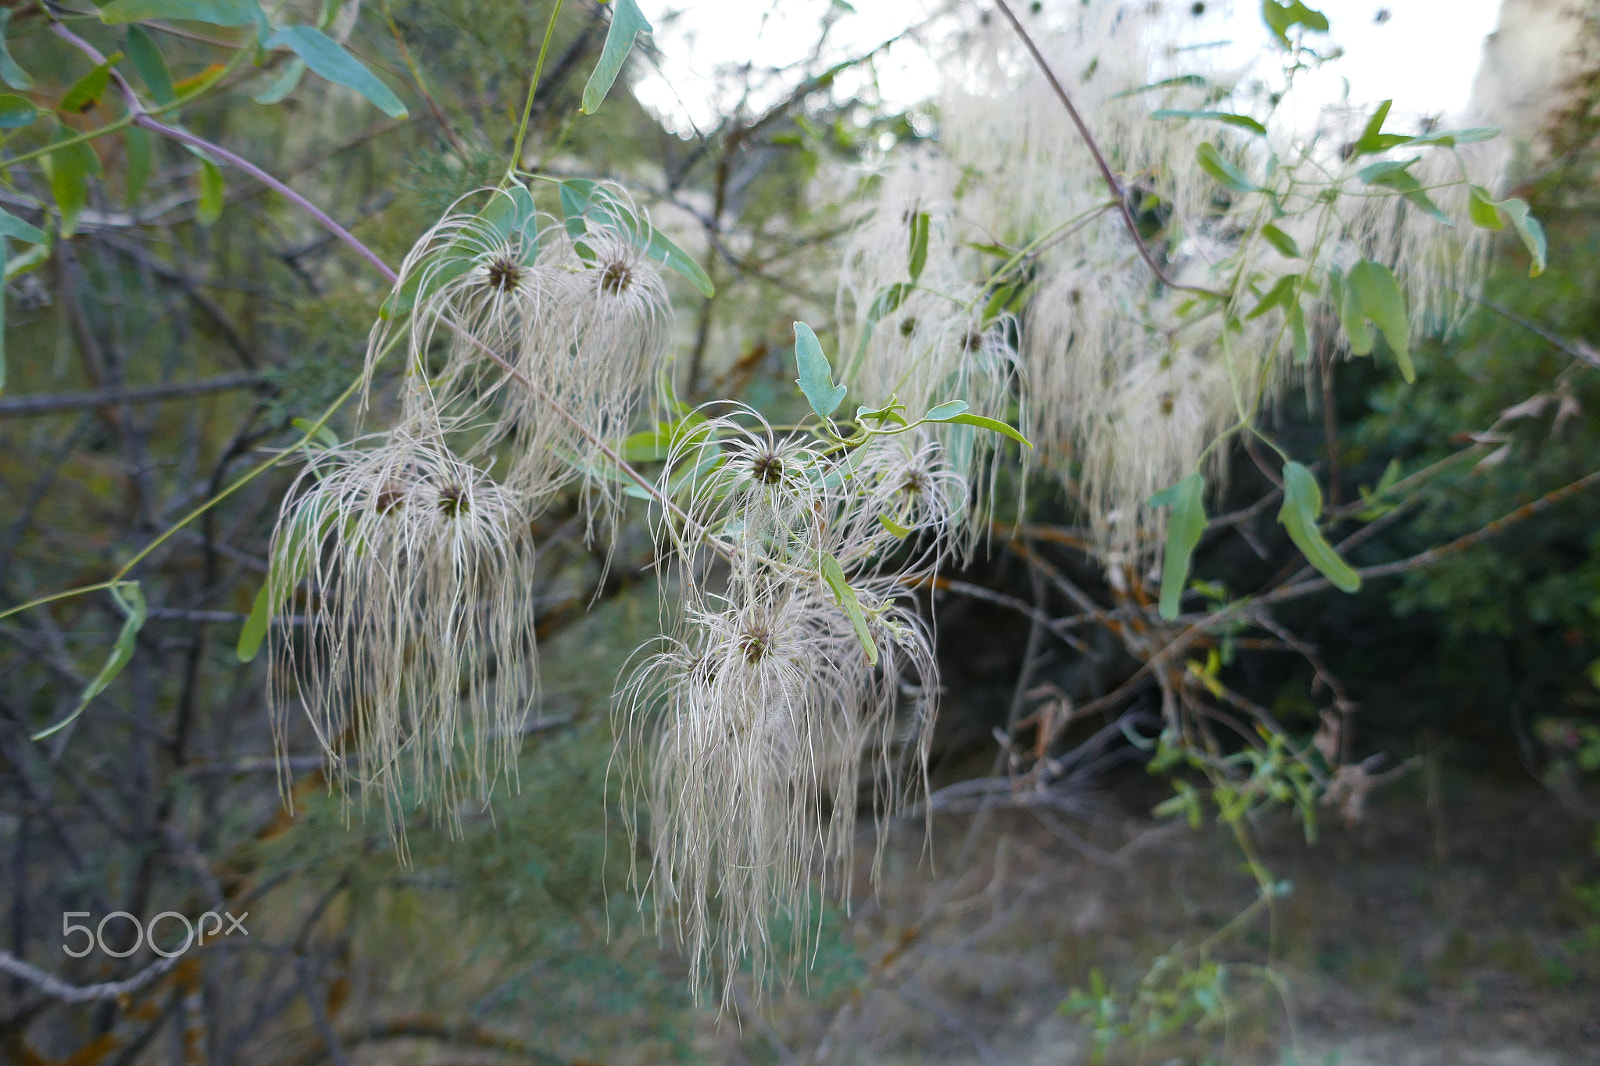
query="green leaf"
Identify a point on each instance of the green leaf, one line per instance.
(70, 168)
(1280, 295)
(833, 574)
(1185, 525)
(1227, 118)
(896, 530)
(287, 80)
(130, 600)
(889, 412)
(1348, 306)
(1190, 81)
(1481, 208)
(10, 72)
(1302, 507)
(288, 566)
(1451, 138)
(136, 149)
(151, 65)
(992, 424)
(16, 112)
(328, 58)
(1225, 173)
(626, 23)
(87, 90)
(1531, 232)
(1298, 332)
(889, 300)
(1280, 17)
(211, 192)
(816, 373)
(215, 12)
(12, 226)
(1379, 298)
(1394, 175)
(948, 409)
(1280, 240)
(919, 243)
(1372, 138)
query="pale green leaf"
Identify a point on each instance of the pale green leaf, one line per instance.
(626, 23)
(1531, 232)
(1227, 118)
(284, 83)
(816, 373)
(328, 58)
(992, 424)
(12, 226)
(130, 600)
(87, 90)
(919, 244)
(1481, 208)
(1185, 525)
(211, 193)
(151, 65)
(1379, 298)
(948, 409)
(833, 574)
(16, 112)
(10, 72)
(215, 12)
(1302, 507)
(1280, 240)
(1226, 174)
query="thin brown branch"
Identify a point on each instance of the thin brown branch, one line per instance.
(1117, 191)
(27, 406)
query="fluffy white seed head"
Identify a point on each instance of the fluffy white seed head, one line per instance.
(416, 661)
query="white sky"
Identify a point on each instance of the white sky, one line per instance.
(1424, 55)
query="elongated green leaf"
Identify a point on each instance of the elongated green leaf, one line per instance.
(1394, 175)
(816, 373)
(12, 226)
(215, 12)
(919, 244)
(1531, 232)
(1280, 240)
(1280, 295)
(948, 409)
(87, 90)
(151, 65)
(1451, 138)
(211, 193)
(16, 112)
(1481, 208)
(70, 168)
(1185, 525)
(895, 529)
(1227, 118)
(1191, 81)
(130, 600)
(1298, 333)
(1348, 305)
(992, 424)
(289, 564)
(889, 300)
(1379, 298)
(1372, 138)
(328, 58)
(1226, 174)
(287, 80)
(10, 72)
(833, 574)
(136, 145)
(626, 23)
(1302, 507)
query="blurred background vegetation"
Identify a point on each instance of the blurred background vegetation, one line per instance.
(153, 357)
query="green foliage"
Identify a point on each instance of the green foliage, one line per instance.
(627, 22)
(328, 58)
(1185, 525)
